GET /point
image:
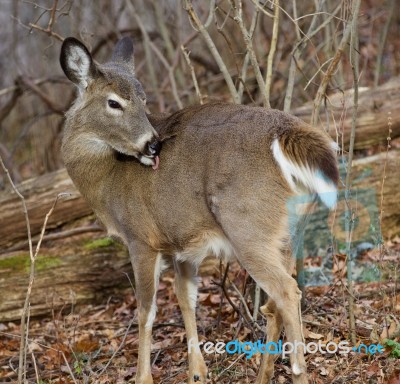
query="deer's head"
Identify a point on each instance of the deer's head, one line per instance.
(110, 109)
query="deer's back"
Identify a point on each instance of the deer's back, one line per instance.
(216, 158)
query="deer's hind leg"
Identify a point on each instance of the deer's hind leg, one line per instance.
(282, 288)
(273, 331)
(259, 241)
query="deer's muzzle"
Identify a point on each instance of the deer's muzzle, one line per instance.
(154, 148)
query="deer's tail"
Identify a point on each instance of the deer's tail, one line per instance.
(307, 159)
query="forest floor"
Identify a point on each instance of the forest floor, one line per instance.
(99, 344)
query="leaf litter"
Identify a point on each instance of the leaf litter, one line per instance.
(99, 344)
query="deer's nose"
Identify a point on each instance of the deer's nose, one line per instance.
(154, 148)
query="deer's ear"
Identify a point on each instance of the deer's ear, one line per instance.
(77, 63)
(123, 52)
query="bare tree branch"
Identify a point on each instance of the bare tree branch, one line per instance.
(382, 42)
(252, 55)
(329, 73)
(270, 60)
(213, 49)
(194, 78)
(354, 59)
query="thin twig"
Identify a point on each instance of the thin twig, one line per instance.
(42, 95)
(192, 72)
(388, 146)
(69, 368)
(45, 30)
(21, 367)
(210, 14)
(9, 106)
(167, 40)
(329, 72)
(249, 46)
(243, 75)
(213, 49)
(50, 25)
(312, 31)
(26, 310)
(52, 15)
(147, 51)
(59, 196)
(382, 41)
(26, 341)
(119, 348)
(237, 310)
(35, 366)
(18, 84)
(262, 9)
(246, 60)
(170, 70)
(228, 368)
(354, 59)
(245, 306)
(245, 316)
(270, 60)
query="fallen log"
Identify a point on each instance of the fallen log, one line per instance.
(68, 273)
(40, 194)
(375, 107)
(76, 264)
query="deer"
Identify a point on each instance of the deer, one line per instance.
(210, 179)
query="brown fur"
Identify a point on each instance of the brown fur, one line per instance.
(218, 179)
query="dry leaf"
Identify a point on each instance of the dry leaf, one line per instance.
(394, 378)
(387, 332)
(315, 336)
(323, 371)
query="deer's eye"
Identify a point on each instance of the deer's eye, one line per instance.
(114, 104)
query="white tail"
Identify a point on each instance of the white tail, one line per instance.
(312, 179)
(220, 185)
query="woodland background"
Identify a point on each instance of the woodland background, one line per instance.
(307, 57)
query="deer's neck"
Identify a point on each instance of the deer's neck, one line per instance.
(89, 162)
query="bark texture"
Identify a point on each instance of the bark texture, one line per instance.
(376, 107)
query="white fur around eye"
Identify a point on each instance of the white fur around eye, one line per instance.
(114, 111)
(122, 102)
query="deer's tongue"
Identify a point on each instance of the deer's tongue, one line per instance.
(156, 163)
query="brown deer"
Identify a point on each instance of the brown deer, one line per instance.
(219, 185)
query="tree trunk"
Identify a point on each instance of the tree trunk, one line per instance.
(376, 106)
